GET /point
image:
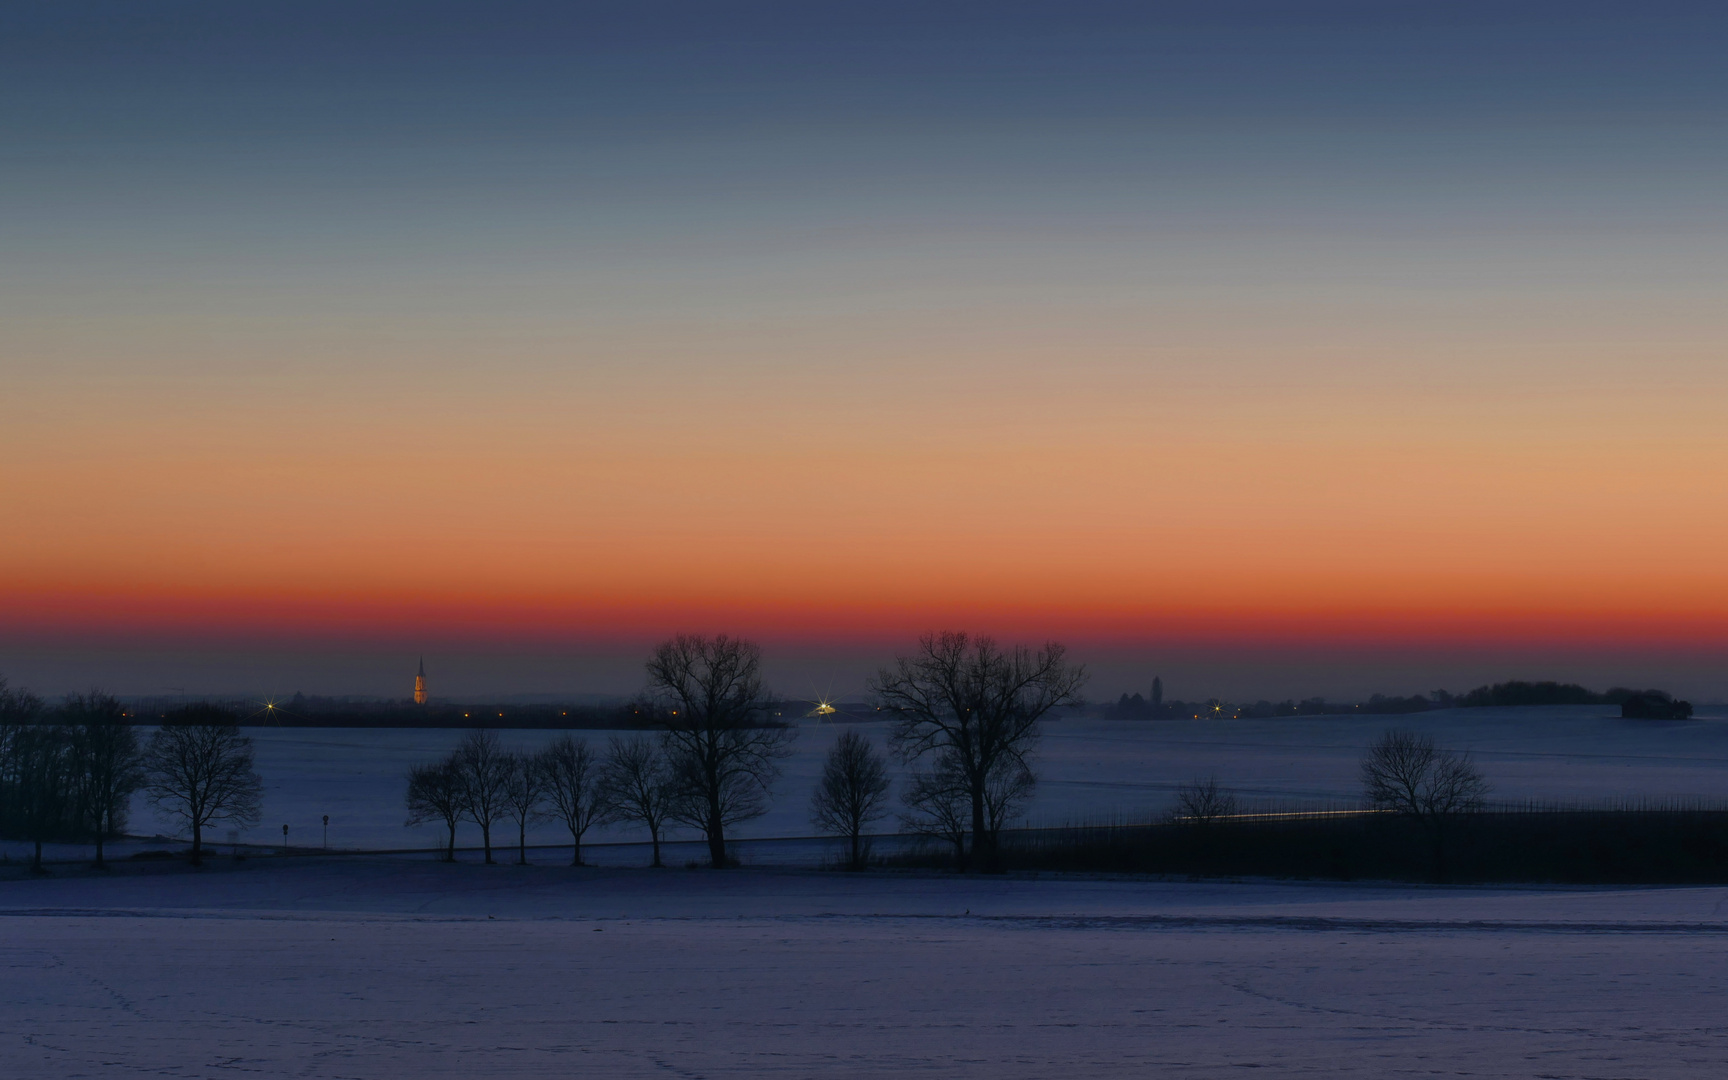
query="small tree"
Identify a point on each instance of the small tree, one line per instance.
(938, 805)
(484, 769)
(108, 761)
(722, 738)
(636, 785)
(198, 769)
(570, 774)
(524, 796)
(851, 793)
(18, 711)
(1202, 802)
(435, 793)
(1407, 774)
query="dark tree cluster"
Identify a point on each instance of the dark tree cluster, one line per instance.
(565, 781)
(68, 774)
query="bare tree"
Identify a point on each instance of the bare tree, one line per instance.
(1007, 790)
(484, 768)
(852, 792)
(435, 793)
(939, 803)
(1409, 775)
(198, 769)
(722, 738)
(963, 698)
(524, 797)
(108, 762)
(45, 804)
(1202, 802)
(18, 710)
(636, 785)
(939, 806)
(570, 773)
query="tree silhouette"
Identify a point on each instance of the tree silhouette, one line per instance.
(851, 792)
(977, 707)
(722, 739)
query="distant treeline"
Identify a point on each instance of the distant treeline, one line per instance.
(1643, 704)
(303, 711)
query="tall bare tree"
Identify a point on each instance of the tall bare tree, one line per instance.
(636, 785)
(977, 705)
(435, 793)
(109, 763)
(484, 768)
(524, 797)
(852, 792)
(722, 737)
(1410, 775)
(570, 773)
(198, 768)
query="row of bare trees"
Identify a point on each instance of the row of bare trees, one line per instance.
(69, 774)
(967, 715)
(484, 783)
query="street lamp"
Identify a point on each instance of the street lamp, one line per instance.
(284, 839)
(326, 832)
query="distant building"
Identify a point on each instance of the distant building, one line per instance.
(420, 684)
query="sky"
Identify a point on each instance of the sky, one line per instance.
(1276, 348)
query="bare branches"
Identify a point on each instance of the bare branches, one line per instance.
(1202, 802)
(722, 740)
(484, 769)
(851, 793)
(108, 761)
(978, 706)
(524, 796)
(636, 785)
(436, 793)
(199, 770)
(570, 774)
(1408, 774)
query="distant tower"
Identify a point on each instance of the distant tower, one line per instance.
(420, 684)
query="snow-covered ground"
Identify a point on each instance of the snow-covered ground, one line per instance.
(1088, 768)
(375, 967)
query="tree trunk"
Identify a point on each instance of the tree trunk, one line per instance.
(716, 834)
(654, 836)
(575, 848)
(450, 851)
(486, 840)
(980, 834)
(857, 858)
(198, 841)
(522, 842)
(99, 863)
(36, 860)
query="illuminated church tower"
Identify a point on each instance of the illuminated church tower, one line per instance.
(420, 684)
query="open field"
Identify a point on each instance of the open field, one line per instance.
(403, 967)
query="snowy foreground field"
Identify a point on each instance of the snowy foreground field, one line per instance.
(1087, 768)
(403, 967)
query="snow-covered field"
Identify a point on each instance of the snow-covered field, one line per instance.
(1088, 768)
(403, 967)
